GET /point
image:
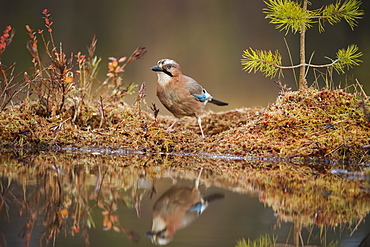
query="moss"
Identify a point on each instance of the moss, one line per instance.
(323, 123)
(326, 123)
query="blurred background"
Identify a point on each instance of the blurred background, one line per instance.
(206, 38)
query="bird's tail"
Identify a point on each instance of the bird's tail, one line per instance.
(201, 206)
(213, 197)
(217, 102)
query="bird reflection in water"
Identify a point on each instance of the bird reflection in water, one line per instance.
(177, 208)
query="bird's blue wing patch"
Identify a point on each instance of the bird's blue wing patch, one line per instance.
(197, 207)
(202, 97)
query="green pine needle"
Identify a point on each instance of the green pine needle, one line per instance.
(266, 62)
(289, 15)
(334, 13)
(347, 58)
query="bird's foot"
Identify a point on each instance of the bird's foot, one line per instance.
(170, 128)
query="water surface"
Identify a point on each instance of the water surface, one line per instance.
(76, 199)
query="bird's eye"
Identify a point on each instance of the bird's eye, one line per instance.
(169, 66)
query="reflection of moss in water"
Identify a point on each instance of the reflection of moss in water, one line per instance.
(296, 193)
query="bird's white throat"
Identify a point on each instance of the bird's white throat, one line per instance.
(163, 78)
(158, 224)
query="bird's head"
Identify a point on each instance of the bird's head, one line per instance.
(167, 67)
(161, 233)
(159, 238)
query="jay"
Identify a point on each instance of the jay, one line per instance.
(177, 208)
(180, 94)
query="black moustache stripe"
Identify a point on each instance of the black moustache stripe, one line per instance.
(167, 72)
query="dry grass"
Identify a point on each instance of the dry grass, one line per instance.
(327, 124)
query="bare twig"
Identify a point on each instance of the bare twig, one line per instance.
(101, 111)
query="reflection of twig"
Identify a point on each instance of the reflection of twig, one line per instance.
(26, 231)
(153, 191)
(85, 235)
(2, 200)
(137, 197)
(49, 199)
(358, 223)
(133, 236)
(99, 182)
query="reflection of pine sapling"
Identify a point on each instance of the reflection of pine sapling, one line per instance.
(295, 17)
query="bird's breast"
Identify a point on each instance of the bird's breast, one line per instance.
(177, 99)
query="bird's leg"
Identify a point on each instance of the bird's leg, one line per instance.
(200, 126)
(171, 126)
(198, 178)
(174, 180)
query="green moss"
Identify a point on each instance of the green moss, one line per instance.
(262, 241)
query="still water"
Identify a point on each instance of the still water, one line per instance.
(79, 199)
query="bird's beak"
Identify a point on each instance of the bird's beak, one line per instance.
(156, 68)
(150, 234)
